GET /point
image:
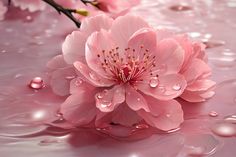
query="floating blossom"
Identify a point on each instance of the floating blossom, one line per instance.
(116, 6)
(123, 76)
(3, 10)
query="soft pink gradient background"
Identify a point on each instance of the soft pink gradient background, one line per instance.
(28, 41)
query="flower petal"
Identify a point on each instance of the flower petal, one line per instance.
(164, 115)
(57, 62)
(199, 91)
(142, 40)
(78, 84)
(73, 48)
(93, 77)
(96, 23)
(124, 27)
(167, 86)
(97, 45)
(135, 100)
(122, 115)
(196, 69)
(77, 110)
(108, 100)
(59, 82)
(169, 56)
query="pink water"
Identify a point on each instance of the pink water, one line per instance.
(28, 41)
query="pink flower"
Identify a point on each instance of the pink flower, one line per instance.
(122, 71)
(3, 10)
(117, 6)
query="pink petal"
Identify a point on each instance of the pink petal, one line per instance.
(135, 100)
(59, 82)
(124, 27)
(73, 48)
(199, 91)
(164, 115)
(108, 100)
(169, 56)
(78, 84)
(57, 62)
(186, 45)
(201, 85)
(196, 69)
(145, 38)
(95, 45)
(96, 23)
(78, 110)
(92, 77)
(167, 87)
(162, 34)
(122, 115)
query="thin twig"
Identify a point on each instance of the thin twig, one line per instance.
(67, 12)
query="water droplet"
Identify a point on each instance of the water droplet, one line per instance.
(176, 87)
(70, 77)
(224, 129)
(29, 18)
(173, 130)
(100, 95)
(38, 115)
(213, 114)
(47, 142)
(141, 126)
(194, 34)
(231, 119)
(180, 7)
(105, 104)
(213, 43)
(3, 51)
(36, 83)
(200, 145)
(78, 82)
(154, 82)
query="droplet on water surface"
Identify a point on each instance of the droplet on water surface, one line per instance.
(36, 83)
(224, 129)
(213, 114)
(231, 119)
(180, 7)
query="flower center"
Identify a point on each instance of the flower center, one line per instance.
(127, 65)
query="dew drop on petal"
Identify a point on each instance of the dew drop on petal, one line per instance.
(100, 95)
(224, 129)
(105, 104)
(36, 83)
(231, 119)
(176, 87)
(78, 82)
(213, 114)
(141, 126)
(154, 82)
